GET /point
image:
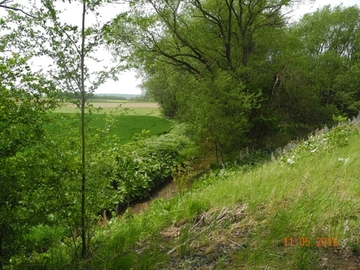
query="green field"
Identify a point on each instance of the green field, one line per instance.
(128, 118)
(124, 126)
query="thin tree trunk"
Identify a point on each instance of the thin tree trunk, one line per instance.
(83, 145)
(217, 153)
(1, 246)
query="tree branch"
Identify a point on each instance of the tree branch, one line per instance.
(198, 54)
(3, 5)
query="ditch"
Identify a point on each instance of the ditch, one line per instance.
(166, 190)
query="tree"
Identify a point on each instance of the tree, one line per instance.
(334, 47)
(314, 84)
(211, 61)
(23, 112)
(68, 47)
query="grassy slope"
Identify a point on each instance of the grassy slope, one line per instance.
(238, 220)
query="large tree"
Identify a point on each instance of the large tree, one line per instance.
(207, 62)
(238, 73)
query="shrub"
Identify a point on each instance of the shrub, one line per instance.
(143, 164)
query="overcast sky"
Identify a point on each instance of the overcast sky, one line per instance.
(128, 84)
(320, 3)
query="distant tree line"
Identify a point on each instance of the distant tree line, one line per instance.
(73, 95)
(107, 97)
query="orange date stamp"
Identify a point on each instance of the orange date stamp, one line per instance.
(307, 241)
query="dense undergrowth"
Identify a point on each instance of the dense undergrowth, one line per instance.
(298, 211)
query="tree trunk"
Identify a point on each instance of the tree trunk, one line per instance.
(83, 145)
(1, 246)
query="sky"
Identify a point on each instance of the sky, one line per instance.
(128, 82)
(303, 9)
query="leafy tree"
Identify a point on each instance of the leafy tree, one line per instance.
(206, 62)
(68, 47)
(23, 112)
(162, 83)
(314, 83)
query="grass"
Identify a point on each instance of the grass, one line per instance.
(235, 219)
(124, 126)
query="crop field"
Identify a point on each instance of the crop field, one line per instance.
(118, 107)
(125, 121)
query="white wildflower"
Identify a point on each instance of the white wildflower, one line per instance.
(290, 161)
(345, 160)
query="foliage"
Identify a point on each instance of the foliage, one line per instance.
(23, 113)
(220, 70)
(248, 208)
(206, 73)
(40, 33)
(143, 164)
(118, 173)
(311, 87)
(214, 65)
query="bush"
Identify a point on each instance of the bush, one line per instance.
(143, 164)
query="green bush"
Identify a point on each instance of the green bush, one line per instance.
(143, 164)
